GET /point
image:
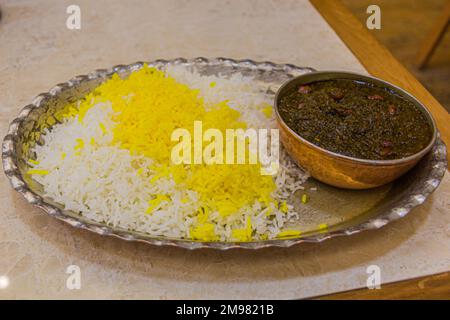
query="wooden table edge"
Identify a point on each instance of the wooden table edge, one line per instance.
(379, 62)
(436, 287)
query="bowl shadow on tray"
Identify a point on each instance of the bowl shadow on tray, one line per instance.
(307, 259)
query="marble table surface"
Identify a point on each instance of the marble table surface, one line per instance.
(37, 51)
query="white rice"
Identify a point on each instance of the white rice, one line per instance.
(102, 182)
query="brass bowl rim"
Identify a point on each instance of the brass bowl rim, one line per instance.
(366, 78)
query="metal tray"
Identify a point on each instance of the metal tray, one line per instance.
(344, 211)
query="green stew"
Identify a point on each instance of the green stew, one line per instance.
(356, 119)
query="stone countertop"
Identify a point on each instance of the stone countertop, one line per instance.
(37, 51)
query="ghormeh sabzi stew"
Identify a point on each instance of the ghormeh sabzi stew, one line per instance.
(356, 119)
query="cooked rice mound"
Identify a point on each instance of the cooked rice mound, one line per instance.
(109, 159)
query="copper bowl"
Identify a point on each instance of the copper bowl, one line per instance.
(340, 170)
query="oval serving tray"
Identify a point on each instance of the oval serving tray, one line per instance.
(344, 212)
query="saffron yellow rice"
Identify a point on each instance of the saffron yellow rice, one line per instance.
(109, 159)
